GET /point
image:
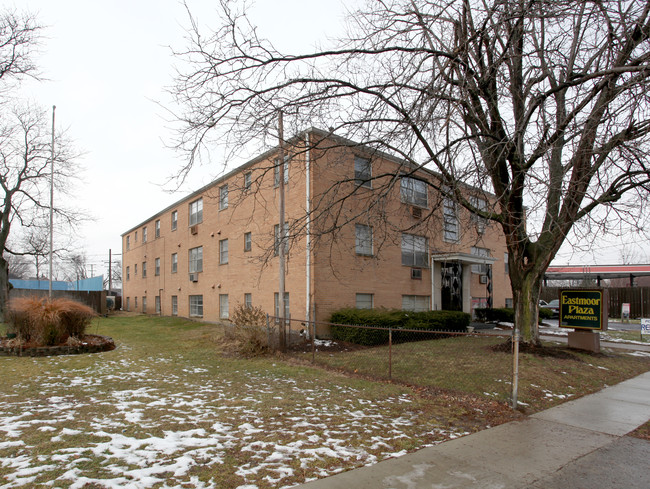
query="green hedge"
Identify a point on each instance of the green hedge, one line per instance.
(505, 314)
(451, 321)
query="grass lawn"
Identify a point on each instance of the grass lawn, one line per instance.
(167, 408)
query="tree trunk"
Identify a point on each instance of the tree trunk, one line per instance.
(4, 287)
(526, 291)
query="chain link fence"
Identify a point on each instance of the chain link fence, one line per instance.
(477, 361)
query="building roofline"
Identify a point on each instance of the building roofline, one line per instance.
(325, 135)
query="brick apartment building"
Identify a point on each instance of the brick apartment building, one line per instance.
(358, 236)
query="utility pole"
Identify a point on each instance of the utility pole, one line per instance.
(52, 203)
(110, 271)
(281, 302)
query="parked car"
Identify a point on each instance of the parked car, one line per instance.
(542, 303)
(554, 306)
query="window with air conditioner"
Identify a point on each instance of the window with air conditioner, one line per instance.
(196, 259)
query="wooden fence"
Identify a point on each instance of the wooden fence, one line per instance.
(94, 299)
(637, 297)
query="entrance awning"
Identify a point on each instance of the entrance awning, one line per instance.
(464, 258)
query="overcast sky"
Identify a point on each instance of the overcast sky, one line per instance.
(108, 62)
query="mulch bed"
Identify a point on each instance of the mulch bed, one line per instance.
(90, 343)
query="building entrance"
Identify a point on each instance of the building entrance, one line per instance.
(451, 286)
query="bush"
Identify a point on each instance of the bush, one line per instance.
(452, 321)
(48, 322)
(249, 330)
(505, 314)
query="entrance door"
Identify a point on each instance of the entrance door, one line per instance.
(451, 286)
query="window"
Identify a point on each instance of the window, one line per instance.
(277, 305)
(174, 220)
(196, 212)
(223, 197)
(128, 273)
(364, 301)
(481, 222)
(223, 306)
(450, 221)
(413, 191)
(196, 259)
(509, 303)
(135, 269)
(414, 250)
(276, 171)
(506, 265)
(157, 267)
(363, 239)
(144, 234)
(128, 243)
(362, 172)
(248, 301)
(157, 228)
(483, 253)
(135, 301)
(174, 305)
(196, 305)
(144, 269)
(223, 252)
(135, 237)
(248, 242)
(128, 304)
(276, 232)
(144, 304)
(157, 300)
(415, 303)
(248, 180)
(174, 262)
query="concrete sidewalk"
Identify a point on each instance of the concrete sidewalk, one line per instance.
(578, 444)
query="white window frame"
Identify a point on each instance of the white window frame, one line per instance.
(157, 229)
(363, 171)
(248, 300)
(144, 269)
(157, 267)
(248, 241)
(196, 211)
(174, 262)
(157, 301)
(363, 244)
(450, 223)
(276, 233)
(224, 311)
(287, 309)
(144, 234)
(414, 191)
(480, 268)
(276, 171)
(195, 256)
(416, 303)
(248, 180)
(128, 273)
(144, 304)
(365, 301)
(223, 197)
(128, 243)
(196, 306)
(223, 252)
(174, 220)
(174, 305)
(415, 250)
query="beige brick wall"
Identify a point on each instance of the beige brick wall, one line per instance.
(337, 273)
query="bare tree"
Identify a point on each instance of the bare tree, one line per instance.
(542, 105)
(25, 154)
(19, 267)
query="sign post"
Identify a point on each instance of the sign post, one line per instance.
(584, 310)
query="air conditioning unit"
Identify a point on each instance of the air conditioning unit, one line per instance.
(194, 277)
(194, 229)
(416, 212)
(416, 273)
(483, 279)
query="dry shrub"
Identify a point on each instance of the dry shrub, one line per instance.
(48, 322)
(249, 330)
